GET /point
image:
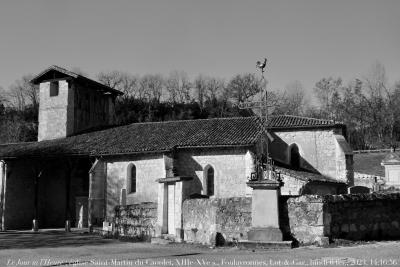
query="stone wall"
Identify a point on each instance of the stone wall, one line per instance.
(291, 186)
(53, 113)
(148, 169)
(319, 151)
(314, 219)
(211, 221)
(137, 221)
(305, 218)
(362, 217)
(230, 167)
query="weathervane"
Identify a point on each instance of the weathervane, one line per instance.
(264, 120)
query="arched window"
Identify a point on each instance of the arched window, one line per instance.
(209, 180)
(131, 179)
(294, 156)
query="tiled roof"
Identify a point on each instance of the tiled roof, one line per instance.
(289, 121)
(142, 137)
(152, 137)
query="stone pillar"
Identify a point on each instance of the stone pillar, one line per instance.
(265, 211)
(178, 199)
(97, 195)
(162, 210)
(35, 221)
(122, 197)
(90, 198)
(68, 196)
(170, 200)
(2, 193)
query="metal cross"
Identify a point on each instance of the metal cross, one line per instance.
(263, 106)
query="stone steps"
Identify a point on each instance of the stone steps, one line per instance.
(160, 241)
(249, 244)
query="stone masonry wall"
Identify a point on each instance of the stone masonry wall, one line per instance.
(229, 170)
(53, 111)
(314, 219)
(308, 219)
(137, 221)
(148, 170)
(305, 216)
(210, 221)
(317, 150)
(362, 217)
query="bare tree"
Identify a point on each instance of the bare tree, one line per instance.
(151, 86)
(328, 91)
(124, 82)
(23, 93)
(200, 87)
(244, 86)
(293, 100)
(214, 88)
(178, 87)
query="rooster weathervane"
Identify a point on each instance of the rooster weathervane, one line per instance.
(262, 65)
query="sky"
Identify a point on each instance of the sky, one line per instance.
(303, 40)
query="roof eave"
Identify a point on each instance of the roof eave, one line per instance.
(37, 78)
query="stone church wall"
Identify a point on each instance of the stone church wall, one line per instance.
(229, 169)
(148, 169)
(317, 148)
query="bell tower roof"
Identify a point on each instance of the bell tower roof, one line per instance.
(54, 73)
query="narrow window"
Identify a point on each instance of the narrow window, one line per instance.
(210, 181)
(131, 179)
(294, 157)
(54, 88)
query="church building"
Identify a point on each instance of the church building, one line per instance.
(82, 166)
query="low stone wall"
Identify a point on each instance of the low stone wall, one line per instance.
(306, 219)
(136, 221)
(216, 221)
(314, 219)
(363, 217)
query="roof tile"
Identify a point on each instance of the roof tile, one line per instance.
(159, 136)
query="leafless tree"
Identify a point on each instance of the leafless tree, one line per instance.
(151, 87)
(23, 93)
(200, 87)
(178, 87)
(122, 81)
(244, 86)
(214, 88)
(293, 100)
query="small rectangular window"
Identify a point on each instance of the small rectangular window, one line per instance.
(54, 88)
